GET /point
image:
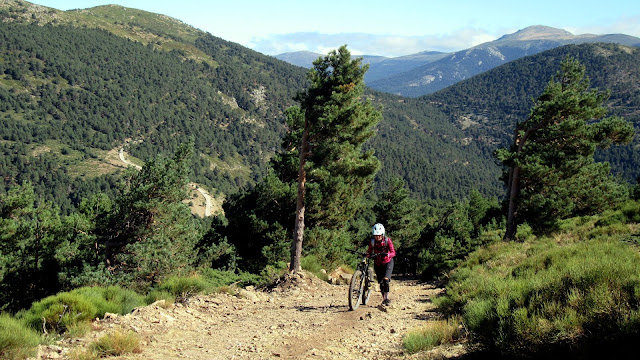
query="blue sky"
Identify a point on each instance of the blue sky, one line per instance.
(375, 27)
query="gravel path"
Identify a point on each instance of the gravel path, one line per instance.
(307, 320)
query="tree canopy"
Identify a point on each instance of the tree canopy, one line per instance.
(337, 122)
(551, 169)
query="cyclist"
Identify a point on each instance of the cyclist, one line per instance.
(382, 246)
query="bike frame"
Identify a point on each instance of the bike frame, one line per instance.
(361, 284)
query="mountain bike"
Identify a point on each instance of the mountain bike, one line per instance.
(361, 283)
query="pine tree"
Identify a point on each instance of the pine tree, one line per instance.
(28, 240)
(551, 170)
(150, 232)
(332, 164)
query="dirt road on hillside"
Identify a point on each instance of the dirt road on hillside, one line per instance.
(310, 320)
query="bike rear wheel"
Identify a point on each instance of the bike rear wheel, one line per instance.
(355, 289)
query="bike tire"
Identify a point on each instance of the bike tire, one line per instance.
(368, 288)
(355, 289)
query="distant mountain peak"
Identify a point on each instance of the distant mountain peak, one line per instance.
(538, 32)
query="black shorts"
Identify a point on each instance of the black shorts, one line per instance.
(384, 270)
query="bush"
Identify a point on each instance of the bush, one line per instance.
(219, 278)
(631, 211)
(58, 312)
(116, 344)
(312, 264)
(157, 295)
(16, 340)
(112, 299)
(519, 298)
(181, 286)
(435, 333)
(64, 311)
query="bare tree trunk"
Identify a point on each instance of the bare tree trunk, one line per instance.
(514, 184)
(296, 244)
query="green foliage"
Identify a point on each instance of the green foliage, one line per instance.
(312, 264)
(116, 344)
(400, 215)
(259, 224)
(60, 97)
(180, 286)
(17, 341)
(461, 228)
(495, 101)
(328, 246)
(436, 332)
(60, 312)
(112, 299)
(158, 295)
(150, 234)
(334, 170)
(220, 278)
(552, 173)
(519, 298)
(338, 123)
(28, 239)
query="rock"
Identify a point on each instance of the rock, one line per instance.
(111, 315)
(249, 295)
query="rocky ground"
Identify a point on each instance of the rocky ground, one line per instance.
(305, 318)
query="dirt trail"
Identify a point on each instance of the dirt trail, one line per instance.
(308, 321)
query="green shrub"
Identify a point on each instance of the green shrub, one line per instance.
(609, 231)
(64, 311)
(218, 278)
(57, 312)
(185, 286)
(525, 233)
(526, 297)
(631, 211)
(16, 340)
(157, 295)
(611, 218)
(312, 264)
(116, 344)
(112, 299)
(433, 334)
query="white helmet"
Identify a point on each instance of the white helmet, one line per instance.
(378, 229)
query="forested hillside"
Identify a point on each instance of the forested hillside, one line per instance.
(488, 106)
(76, 84)
(69, 94)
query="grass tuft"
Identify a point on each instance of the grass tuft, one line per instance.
(116, 344)
(435, 333)
(17, 341)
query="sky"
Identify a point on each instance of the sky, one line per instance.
(380, 27)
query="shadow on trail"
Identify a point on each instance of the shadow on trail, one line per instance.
(322, 309)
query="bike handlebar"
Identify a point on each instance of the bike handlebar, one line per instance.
(366, 254)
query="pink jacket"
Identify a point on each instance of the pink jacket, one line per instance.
(383, 246)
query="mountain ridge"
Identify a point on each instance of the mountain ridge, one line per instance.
(466, 63)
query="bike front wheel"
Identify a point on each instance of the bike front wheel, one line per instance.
(355, 289)
(368, 287)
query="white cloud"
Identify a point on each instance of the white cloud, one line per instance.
(369, 44)
(629, 25)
